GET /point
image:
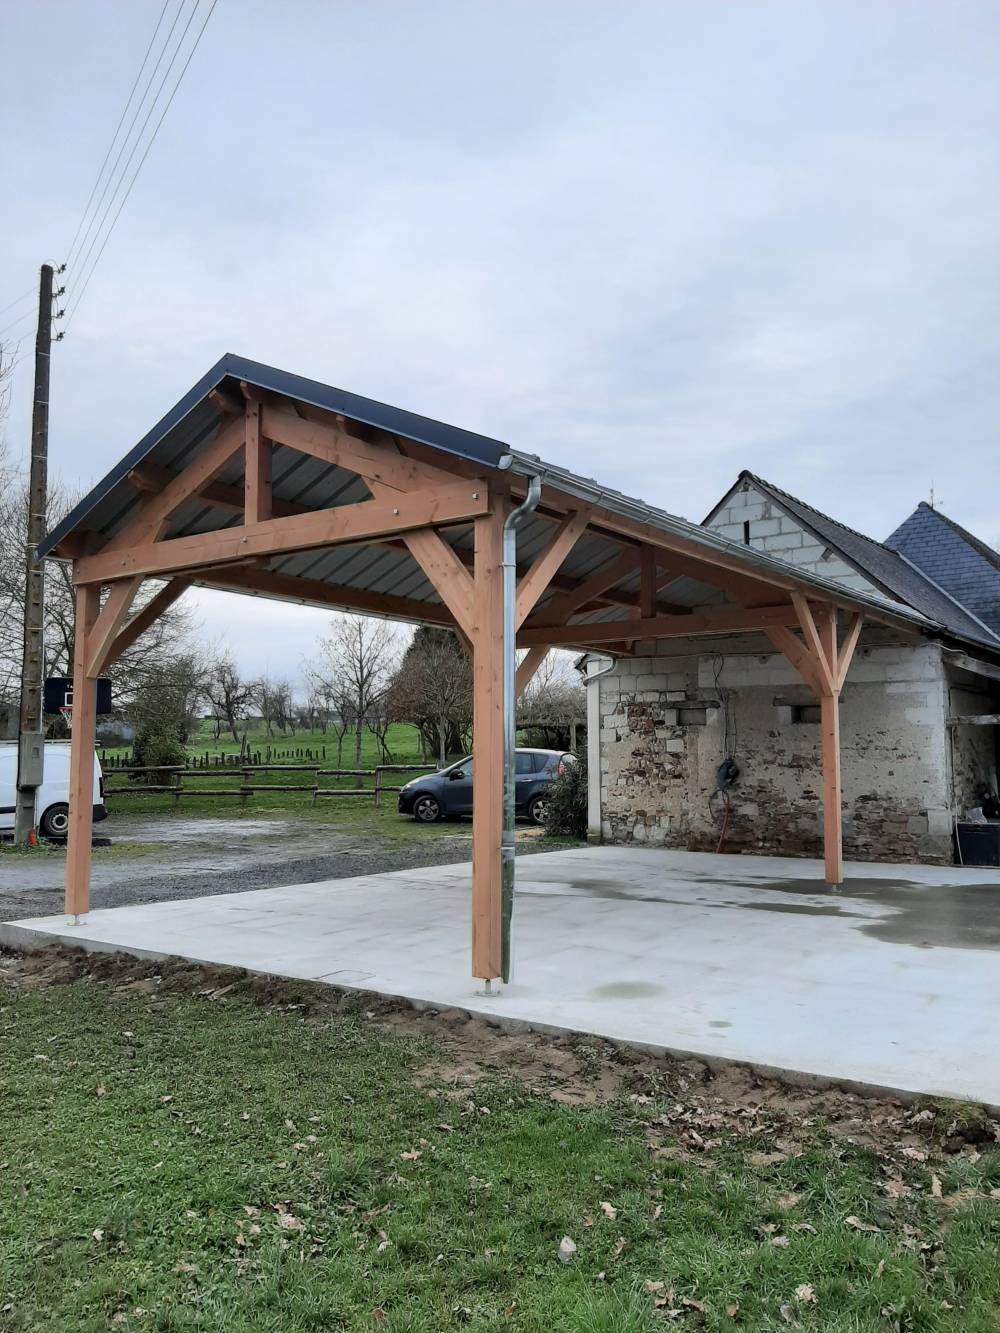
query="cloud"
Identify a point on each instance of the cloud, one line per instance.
(654, 244)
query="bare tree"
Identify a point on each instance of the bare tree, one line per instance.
(229, 694)
(554, 703)
(169, 637)
(433, 690)
(276, 705)
(357, 662)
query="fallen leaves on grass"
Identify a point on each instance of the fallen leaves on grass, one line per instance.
(806, 1293)
(857, 1225)
(410, 1156)
(609, 1210)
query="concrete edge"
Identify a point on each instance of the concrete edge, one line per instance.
(26, 939)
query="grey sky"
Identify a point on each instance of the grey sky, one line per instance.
(656, 243)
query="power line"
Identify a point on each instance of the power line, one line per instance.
(17, 300)
(20, 320)
(115, 177)
(114, 137)
(150, 142)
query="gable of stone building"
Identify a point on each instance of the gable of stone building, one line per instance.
(778, 533)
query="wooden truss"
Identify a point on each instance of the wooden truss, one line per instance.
(414, 495)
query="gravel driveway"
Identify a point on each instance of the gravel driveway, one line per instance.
(179, 857)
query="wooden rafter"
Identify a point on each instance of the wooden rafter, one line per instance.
(360, 522)
(153, 513)
(715, 620)
(257, 505)
(314, 592)
(546, 564)
(334, 445)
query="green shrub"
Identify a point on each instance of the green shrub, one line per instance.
(157, 744)
(566, 816)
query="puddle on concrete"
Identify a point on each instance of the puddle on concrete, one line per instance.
(801, 909)
(926, 916)
(625, 990)
(951, 916)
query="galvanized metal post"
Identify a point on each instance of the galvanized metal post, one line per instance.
(509, 562)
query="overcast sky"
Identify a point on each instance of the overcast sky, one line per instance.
(655, 243)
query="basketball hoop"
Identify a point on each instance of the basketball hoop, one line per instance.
(67, 712)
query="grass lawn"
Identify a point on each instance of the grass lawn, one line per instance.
(176, 1155)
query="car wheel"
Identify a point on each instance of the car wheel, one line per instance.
(538, 809)
(426, 809)
(54, 823)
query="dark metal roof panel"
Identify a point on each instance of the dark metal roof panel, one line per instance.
(194, 419)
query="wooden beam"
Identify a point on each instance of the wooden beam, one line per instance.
(447, 574)
(257, 506)
(142, 620)
(797, 653)
(81, 757)
(113, 615)
(846, 653)
(314, 592)
(562, 606)
(833, 837)
(814, 643)
(487, 749)
(527, 668)
(147, 525)
(226, 404)
(324, 527)
(547, 562)
(714, 620)
(333, 445)
(647, 582)
(219, 494)
(597, 588)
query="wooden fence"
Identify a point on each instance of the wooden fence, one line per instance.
(176, 787)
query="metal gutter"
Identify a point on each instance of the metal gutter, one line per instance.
(509, 564)
(591, 492)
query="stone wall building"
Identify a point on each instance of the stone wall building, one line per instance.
(662, 721)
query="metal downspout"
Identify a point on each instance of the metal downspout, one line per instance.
(509, 563)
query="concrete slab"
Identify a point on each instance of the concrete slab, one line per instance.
(893, 982)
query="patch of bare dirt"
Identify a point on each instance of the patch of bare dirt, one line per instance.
(682, 1106)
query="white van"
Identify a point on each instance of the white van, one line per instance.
(52, 797)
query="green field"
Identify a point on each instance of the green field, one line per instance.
(176, 1157)
(300, 748)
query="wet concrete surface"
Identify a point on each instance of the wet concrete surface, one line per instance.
(891, 982)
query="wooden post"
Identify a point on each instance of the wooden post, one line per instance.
(487, 747)
(833, 840)
(81, 757)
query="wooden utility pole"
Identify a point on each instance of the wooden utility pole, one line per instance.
(31, 747)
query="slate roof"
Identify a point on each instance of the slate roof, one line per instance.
(886, 567)
(954, 558)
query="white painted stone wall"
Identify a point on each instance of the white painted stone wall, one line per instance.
(657, 773)
(780, 535)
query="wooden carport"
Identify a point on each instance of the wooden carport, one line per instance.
(264, 483)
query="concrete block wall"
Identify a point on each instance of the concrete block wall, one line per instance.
(780, 535)
(657, 774)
